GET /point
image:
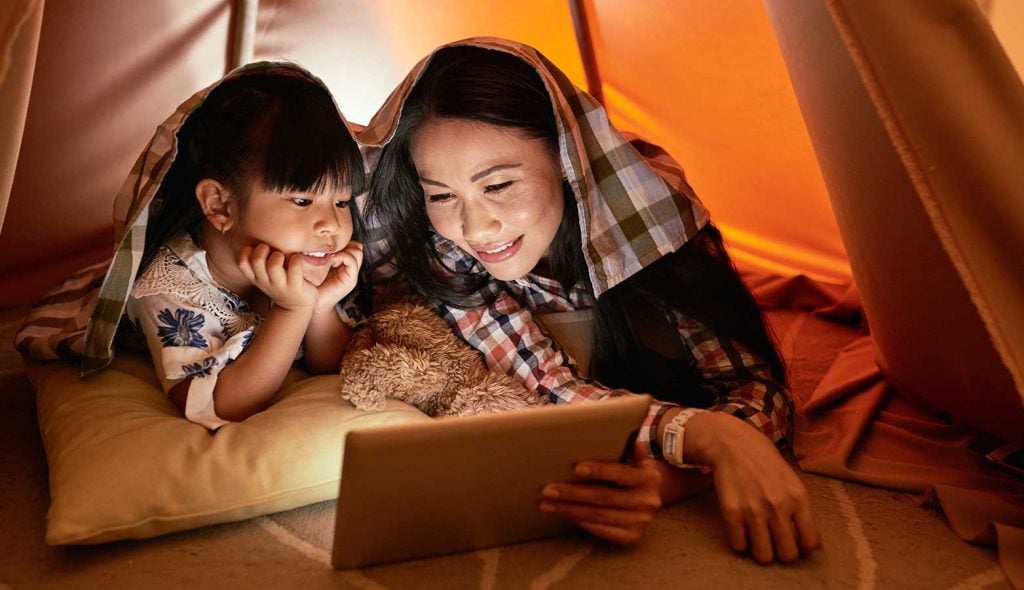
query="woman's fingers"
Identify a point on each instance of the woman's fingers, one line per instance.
(612, 516)
(620, 474)
(784, 537)
(760, 541)
(611, 533)
(603, 495)
(737, 532)
(806, 530)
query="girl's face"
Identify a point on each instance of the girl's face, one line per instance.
(492, 191)
(315, 224)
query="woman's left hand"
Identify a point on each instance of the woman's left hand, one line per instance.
(613, 501)
(765, 506)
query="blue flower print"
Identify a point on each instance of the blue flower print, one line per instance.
(181, 329)
(197, 370)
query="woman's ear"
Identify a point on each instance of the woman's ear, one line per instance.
(217, 203)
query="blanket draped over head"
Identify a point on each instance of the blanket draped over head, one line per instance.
(634, 203)
(132, 209)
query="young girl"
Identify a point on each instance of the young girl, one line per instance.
(249, 248)
(530, 202)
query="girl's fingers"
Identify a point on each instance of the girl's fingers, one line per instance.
(296, 267)
(258, 260)
(244, 265)
(275, 268)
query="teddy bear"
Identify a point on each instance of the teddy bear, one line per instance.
(405, 351)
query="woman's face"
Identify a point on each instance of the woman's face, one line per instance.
(492, 191)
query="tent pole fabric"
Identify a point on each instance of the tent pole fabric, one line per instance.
(243, 32)
(20, 26)
(586, 47)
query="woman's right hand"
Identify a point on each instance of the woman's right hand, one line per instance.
(765, 505)
(283, 283)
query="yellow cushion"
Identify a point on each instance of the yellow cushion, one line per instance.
(124, 463)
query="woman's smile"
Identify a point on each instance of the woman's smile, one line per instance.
(497, 253)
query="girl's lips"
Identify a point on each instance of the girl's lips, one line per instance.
(500, 253)
(317, 260)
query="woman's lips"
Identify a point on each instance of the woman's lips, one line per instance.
(500, 252)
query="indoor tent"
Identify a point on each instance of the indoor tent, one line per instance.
(861, 157)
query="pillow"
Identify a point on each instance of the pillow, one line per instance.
(124, 463)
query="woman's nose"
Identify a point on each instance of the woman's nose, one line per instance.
(479, 223)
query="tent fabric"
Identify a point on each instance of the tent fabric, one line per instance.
(929, 207)
(928, 204)
(907, 112)
(740, 135)
(20, 22)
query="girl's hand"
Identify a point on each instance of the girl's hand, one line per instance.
(343, 276)
(764, 504)
(283, 283)
(616, 501)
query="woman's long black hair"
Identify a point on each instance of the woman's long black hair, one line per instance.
(274, 124)
(698, 280)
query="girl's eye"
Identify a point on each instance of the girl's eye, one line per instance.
(302, 202)
(439, 197)
(341, 204)
(497, 188)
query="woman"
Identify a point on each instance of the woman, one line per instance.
(505, 194)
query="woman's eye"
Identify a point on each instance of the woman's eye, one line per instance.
(439, 197)
(497, 188)
(302, 202)
(341, 204)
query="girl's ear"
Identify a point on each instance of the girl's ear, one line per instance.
(217, 203)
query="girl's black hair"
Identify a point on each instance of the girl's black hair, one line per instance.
(698, 280)
(273, 124)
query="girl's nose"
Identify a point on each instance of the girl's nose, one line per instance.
(479, 224)
(328, 221)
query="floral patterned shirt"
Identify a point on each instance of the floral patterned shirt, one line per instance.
(194, 327)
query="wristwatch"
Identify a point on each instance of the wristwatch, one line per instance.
(673, 440)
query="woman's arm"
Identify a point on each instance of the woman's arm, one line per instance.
(764, 504)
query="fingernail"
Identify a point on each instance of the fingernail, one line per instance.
(582, 470)
(547, 507)
(549, 492)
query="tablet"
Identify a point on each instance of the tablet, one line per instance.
(456, 484)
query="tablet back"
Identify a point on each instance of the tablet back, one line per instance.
(456, 484)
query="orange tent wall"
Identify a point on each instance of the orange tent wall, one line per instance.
(705, 80)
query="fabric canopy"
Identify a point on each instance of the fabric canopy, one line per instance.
(705, 80)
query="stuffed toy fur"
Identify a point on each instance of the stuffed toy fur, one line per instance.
(406, 352)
